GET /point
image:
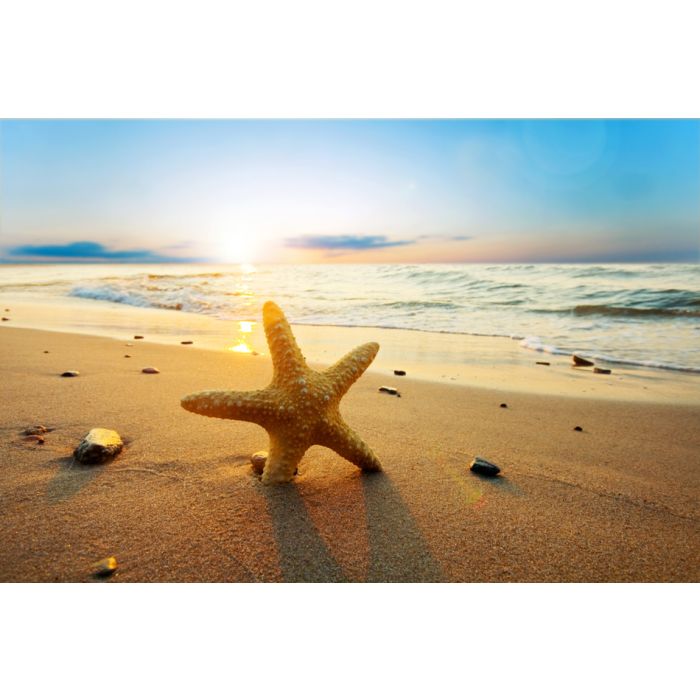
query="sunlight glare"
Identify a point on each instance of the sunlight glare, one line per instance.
(245, 329)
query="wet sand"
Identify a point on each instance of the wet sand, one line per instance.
(617, 501)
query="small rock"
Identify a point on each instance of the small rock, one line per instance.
(389, 390)
(98, 446)
(104, 567)
(258, 460)
(38, 439)
(4, 318)
(150, 370)
(37, 430)
(542, 363)
(46, 352)
(481, 466)
(503, 405)
(255, 352)
(138, 337)
(581, 361)
(7, 311)
(578, 429)
(600, 370)
(400, 372)
(70, 373)
(127, 355)
(186, 342)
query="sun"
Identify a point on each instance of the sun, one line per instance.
(240, 249)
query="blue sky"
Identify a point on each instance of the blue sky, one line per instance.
(350, 190)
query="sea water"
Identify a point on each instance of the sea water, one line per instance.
(637, 314)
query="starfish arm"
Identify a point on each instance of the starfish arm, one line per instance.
(344, 373)
(253, 406)
(341, 438)
(287, 359)
(283, 458)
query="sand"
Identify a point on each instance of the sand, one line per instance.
(617, 501)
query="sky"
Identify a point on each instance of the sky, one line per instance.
(301, 191)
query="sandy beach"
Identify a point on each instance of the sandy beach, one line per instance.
(617, 501)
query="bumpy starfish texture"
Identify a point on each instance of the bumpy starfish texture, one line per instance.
(299, 408)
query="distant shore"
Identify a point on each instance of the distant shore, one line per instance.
(615, 501)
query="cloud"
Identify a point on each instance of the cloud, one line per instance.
(440, 237)
(343, 242)
(90, 250)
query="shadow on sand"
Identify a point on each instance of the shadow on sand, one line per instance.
(304, 556)
(397, 549)
(70, 478)
(500, 482)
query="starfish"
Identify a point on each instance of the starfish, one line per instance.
(299, 408)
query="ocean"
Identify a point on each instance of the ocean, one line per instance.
(637, 314)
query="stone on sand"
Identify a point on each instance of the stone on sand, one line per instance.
(70, 373)
(38, 439)
(581, 361)
(150, 370)
(482, 466)
(36, 430)
(258, 460)
(99, 445)
(104, 567)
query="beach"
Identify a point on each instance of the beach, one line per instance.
(616, 501)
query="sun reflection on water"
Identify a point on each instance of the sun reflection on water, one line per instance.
(243, 344)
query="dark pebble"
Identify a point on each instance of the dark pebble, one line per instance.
(400, 372)
(542, 363)
(600, 370)
(389, 390)
(70, 373)
(138, 337)
(127, 355)
(481, 466)
(503, 405)
(4, 318)
(578, 429)
(581, 361)
(46, 352)
(186, 342)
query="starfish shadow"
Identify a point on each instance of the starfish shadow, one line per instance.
(398, 551)
(303, 555)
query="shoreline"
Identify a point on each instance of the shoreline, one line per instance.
(466, 360)
(617, 501)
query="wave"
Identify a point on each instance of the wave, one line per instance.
(185, 275)
(107, 293)
(631, 311)
(415, 305)
(535, 343)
